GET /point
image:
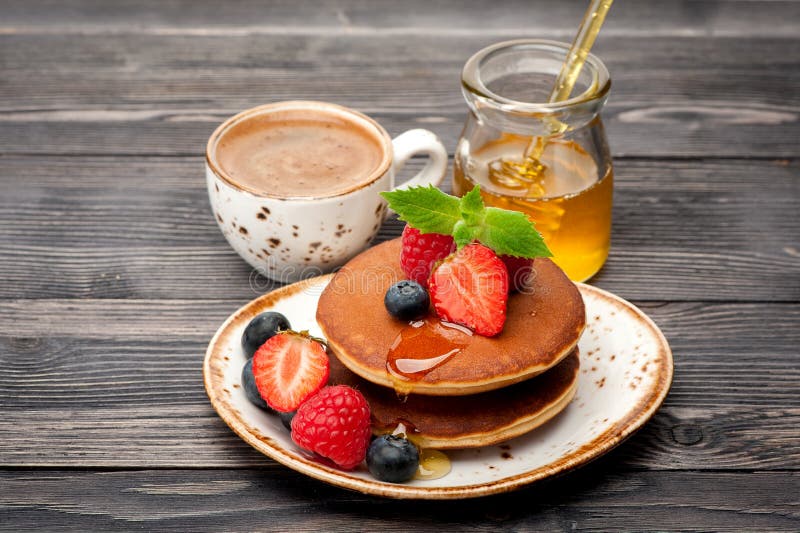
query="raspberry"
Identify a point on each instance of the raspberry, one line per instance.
(334, 423)
(520, 272)
(421, 251)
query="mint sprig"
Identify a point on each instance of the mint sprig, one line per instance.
(467, 219)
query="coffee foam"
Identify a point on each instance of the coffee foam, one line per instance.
(300, 152)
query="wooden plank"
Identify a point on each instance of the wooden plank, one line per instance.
(165, 434)
(138, 60)
(275, 499)
(102, 383)
(141, 228)
(549, 17)
(51, 348)
(743, 331)
(163, 95)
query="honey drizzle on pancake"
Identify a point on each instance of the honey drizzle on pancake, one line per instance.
(420, 347)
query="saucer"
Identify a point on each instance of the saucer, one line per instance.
(626, 372)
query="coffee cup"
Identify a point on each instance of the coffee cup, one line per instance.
(294, 186)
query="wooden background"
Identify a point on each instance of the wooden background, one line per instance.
(113, 275)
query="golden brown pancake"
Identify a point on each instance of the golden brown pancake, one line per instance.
(541, 328)
(468, 421)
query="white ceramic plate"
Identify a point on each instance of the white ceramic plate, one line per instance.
(626, 371)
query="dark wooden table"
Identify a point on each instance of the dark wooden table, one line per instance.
(113, 275)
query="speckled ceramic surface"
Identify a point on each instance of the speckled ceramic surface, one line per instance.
(292, 238)
(626, 371)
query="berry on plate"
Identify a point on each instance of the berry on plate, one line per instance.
(289, 368)
(286, 419)
(392, 458)
(407, 300)
(261, 328)
(420, 251)
(249, 386)
(334, 423)
(471, 288)
(520, 272)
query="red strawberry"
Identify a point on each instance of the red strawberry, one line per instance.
(289, 368)
(421, 251)
(334, 423)
(520, 272)
(471, 288)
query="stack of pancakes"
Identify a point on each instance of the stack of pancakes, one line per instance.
(491, 390)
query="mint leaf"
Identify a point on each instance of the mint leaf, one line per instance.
(464, 234)
(472, 208)
(426, 208)
(512, 233)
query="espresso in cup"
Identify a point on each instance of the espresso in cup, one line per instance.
(294, 186)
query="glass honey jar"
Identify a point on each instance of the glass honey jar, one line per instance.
(548, 160)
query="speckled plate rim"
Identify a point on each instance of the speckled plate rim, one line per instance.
(636, 417)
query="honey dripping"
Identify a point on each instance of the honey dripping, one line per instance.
(433, 464)
(420, 347)
(526, 173)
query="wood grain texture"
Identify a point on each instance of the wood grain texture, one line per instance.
(141, 228)
(109, 383)
(548, 17)
(113, 277)
(60, 344)
(164, 435)
(63, 95)
(594, 499)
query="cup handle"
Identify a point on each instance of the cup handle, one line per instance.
(419, 141)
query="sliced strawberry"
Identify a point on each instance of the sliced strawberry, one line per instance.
(289, 368)
(420, 251)
(470, 288)
(520, 272)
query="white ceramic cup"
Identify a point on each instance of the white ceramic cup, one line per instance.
(288, 239)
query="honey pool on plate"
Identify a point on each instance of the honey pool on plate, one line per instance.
(569, 200)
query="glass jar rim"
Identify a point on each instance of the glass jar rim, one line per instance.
(472, 81)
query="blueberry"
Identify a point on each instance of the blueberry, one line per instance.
(286, 419)
(393, 459)
(249, 386)
(261, 328)
(407, 300)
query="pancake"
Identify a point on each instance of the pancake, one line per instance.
(471, 421)
(543, 325)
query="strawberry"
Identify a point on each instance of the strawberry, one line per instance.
(470, 288)
(520, 272)
(288, 368)
(334, 423)
(420, 251)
